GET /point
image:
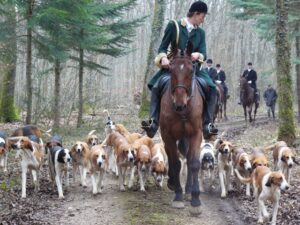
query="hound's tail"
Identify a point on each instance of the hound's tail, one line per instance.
(242, 179)
(47, 132)
(92, 132)
(107, 114)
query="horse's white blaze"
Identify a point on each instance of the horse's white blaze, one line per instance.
(181, 67)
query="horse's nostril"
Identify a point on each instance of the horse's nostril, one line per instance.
(179, 108)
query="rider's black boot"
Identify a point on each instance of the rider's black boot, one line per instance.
(151, 126)
(209, 128)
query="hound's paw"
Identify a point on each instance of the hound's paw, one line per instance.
(142, 189)
(122, 188)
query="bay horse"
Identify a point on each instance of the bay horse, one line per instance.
(181, 125)
(248, 99)
(221, 104)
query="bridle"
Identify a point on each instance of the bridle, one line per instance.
(189, 90)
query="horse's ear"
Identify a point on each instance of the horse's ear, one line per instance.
(189, 48)
(174, 49)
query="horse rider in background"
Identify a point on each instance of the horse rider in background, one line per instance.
(220, 78)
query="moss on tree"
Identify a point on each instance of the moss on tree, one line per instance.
(157, 26)
(8, 111)
(286, 130)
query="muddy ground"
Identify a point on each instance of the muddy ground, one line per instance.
(133, 207)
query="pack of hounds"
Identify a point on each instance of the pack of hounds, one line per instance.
(122, 150)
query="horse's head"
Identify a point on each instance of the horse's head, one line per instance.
(181, 68)
(243, 83)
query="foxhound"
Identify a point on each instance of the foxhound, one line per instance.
(267, 186)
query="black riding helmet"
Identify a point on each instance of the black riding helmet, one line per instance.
(199, 7)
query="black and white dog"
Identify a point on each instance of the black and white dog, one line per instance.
(110, 127)
(3, 151)
(207, 162)
(58, 161)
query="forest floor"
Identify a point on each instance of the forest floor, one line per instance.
(133, 207)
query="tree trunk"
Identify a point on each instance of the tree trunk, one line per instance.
(298, 67)
(7, 107)
(56, 108)
(29, 63)
(157, 26)
(80, 107)
(283, 55)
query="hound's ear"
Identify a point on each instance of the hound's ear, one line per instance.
(85, 147)
(282, 159)
(48, 144)
(221, 142)
(165, 171)
(269, 182)
(73, 148)
(295, 161)
(254, 165)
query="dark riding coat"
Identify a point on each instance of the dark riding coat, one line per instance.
(196, 37)
(270, 96)
(221, 76)
(251, 75)
(212, 72)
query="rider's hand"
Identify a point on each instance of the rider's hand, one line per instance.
(165, 62)
(195, 56)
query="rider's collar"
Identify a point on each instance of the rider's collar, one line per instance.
(185, 22)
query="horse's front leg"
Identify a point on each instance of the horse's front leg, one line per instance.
(174, 172)
(225, 106)
(250, 112)
(245, 114)
(193, 158)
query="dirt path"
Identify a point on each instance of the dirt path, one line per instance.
(153, 207)
(127, 208)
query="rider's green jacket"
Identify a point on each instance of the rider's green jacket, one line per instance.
(196, 37)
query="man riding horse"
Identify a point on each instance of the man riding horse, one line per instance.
(220, 78)
(251, 76)
(189, 31)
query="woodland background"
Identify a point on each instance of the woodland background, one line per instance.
(232, 41)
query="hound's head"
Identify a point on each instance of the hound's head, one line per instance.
(245, 162)
(288, 157)
(226, 148)
(80, 148)
(21, 142)
(2, 146)
(92, 140)
(208, 161)
(159, 170)
(98, 157)
(277, 179)
(260, 160)
(64, 155)
(143, 158)
(110, 126)
(129, 153)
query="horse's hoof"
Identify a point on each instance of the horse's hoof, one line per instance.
(177, 204)
(188, 197)
(195, 211)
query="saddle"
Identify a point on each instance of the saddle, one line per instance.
(201, 85)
